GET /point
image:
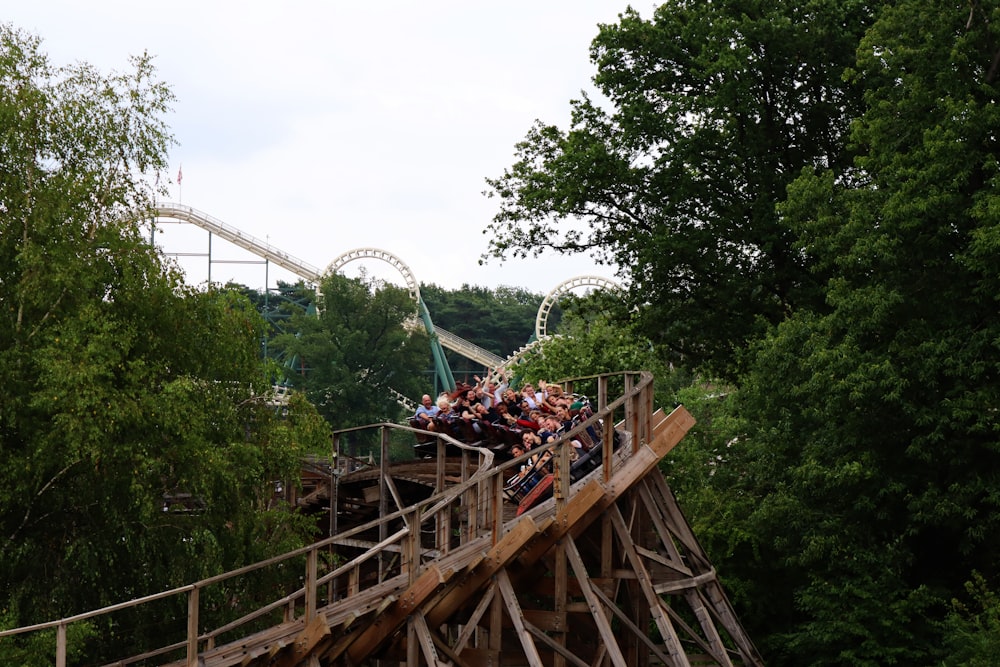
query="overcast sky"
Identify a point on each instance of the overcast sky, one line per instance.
(327, 126)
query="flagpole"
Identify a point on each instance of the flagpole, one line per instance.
(180, 187)
(156, 199)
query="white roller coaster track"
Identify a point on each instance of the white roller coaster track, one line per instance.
(236, 237)
(562, 288)
(312, 274)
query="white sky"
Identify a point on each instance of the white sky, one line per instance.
(324, 126)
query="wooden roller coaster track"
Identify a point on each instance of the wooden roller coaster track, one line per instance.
(604, 572)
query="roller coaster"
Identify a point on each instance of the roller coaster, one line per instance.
(427, 562)
(440, 550)
(440, 338)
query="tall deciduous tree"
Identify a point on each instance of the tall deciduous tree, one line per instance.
(711, 110)
(137, 451)
(876, 456)
(364, 346)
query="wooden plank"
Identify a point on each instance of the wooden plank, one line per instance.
(675, 586)
(673, 564)
(657, 420)
(671, 431)
(366, 545)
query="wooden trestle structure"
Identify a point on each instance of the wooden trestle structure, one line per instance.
(605, 572)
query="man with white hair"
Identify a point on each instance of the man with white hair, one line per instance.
(426, 412)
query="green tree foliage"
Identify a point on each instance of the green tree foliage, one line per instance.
(279, 306)
(972, 631)
(875, 447)
(137, 451)
(596, 337)
(710, 110)
(805, 196)
(365, 344)
(500, 320)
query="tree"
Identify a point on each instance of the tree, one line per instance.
(972, 631)
(364, 346)
(137, 448)
(596, 336)
(711, 110)
(874, 441)
(500, 320)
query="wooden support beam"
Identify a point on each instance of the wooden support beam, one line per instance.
(627, 622)
(718, 648)
(687, 583)
(560, 600)
(311, 592)
(720, 605)
(396, 498)
(495, 636)
(473, 623)
(302, 647)
(423, 634)
(600, 619)
(660, 524)
(387, 622)
(479, 573)
(451, 654)
(560, 650)
(192, 628)
(682, 624)
(663, 624)
(514, 611)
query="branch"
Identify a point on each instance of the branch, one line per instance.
(27, 513)
(51, 310)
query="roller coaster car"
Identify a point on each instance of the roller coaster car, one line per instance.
(422, 439)
(535, 485)
(460, 430)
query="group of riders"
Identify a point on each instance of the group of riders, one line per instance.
(512, 422)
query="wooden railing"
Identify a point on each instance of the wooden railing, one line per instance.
(401, 544)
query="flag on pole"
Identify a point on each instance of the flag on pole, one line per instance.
(180, 174)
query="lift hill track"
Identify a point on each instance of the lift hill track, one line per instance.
(455, 579)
